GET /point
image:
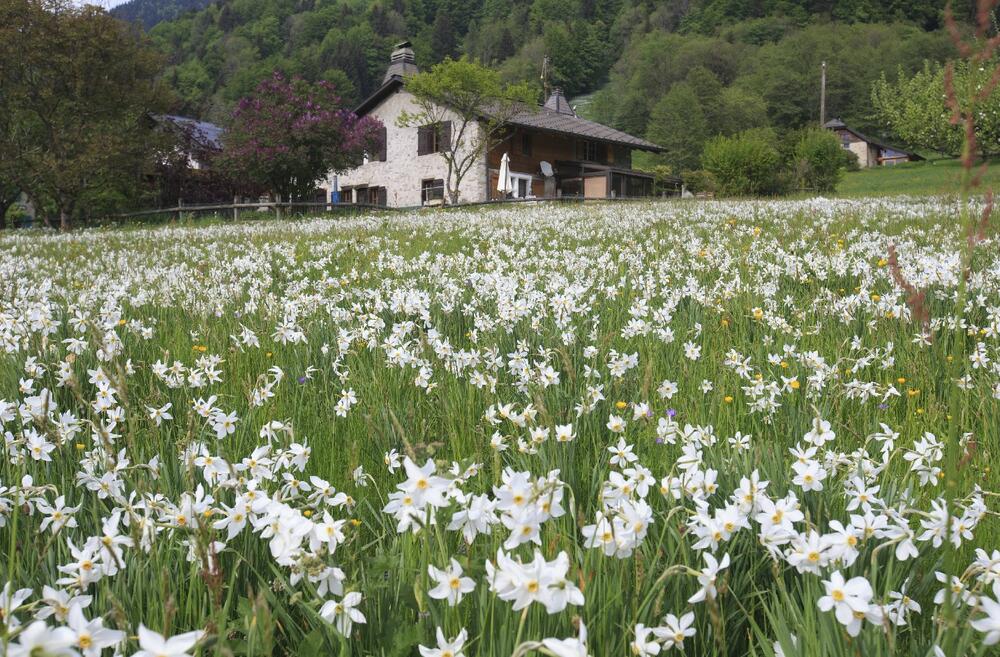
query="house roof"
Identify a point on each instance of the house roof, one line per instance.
(555, 116)
(837, 124)
(205, 134)
(560, 122)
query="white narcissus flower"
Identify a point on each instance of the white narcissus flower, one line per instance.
(40, 640)
(91, 636)
(849, 600)
(446, 647)
(154, 644)
(571, 647)
(674, 630)
(343, 614)
(451, 586)
(990, 624)
(643, 645)
(707, 578)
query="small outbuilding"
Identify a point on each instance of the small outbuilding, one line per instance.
(870, 152)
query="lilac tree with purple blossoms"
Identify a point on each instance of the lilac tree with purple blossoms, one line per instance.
(289, 135)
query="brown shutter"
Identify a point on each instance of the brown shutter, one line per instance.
(382, 197)
(444, 136)
(383, 136)
(424, 139)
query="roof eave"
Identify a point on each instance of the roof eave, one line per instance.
(373, 99)
(648, 146)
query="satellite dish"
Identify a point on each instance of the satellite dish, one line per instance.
(546, 168)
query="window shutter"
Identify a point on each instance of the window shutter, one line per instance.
(382, 197)
(382, 146)
(423, 139)
(444, 136)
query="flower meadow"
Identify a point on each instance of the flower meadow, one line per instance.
(699, 428)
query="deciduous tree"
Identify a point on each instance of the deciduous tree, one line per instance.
(78, 87)
(915, 107)
(475, 100)
(290, 134)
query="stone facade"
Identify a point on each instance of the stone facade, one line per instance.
(403, 171)
(864, 152)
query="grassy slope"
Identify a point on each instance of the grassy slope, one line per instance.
(916, 178)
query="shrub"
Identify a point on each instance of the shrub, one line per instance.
(699, 181)
(746, 164)
(819, 160)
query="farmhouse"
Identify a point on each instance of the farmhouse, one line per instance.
(551, 152)
(871, 153)
(197, 140)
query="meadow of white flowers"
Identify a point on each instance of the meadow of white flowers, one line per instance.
(703, 428)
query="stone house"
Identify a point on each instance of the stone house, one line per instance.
(870, 153)
(552, 152)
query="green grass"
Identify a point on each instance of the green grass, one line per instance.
(926, 178)
(491, 280)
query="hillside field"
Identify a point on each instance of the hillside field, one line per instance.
(703, 428)
(925, 178)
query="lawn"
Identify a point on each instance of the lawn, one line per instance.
(704, 428)
(928, 177)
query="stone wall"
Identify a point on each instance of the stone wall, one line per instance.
(402, 172)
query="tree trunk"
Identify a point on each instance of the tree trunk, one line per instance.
(65, 223)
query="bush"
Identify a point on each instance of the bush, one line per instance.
(746, 164)
(699, 181)
(819, 160)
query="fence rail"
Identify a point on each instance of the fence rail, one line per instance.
(233, 210)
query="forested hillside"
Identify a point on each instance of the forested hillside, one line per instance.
(152, 12)
(675, 70)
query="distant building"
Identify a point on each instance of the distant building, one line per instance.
(871, 153)
(184, 174)
(552, 152)
(198, 140)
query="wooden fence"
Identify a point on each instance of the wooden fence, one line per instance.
(235, 210)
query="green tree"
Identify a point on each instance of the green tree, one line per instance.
(819, 160)
(476, 101)
(746, 164)
(77, 98)
(915, 110)
(739, 110)
(678, 124)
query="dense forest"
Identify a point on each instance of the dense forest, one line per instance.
(149, 13)
(677, 71)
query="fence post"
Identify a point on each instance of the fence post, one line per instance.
(180, 211)
(236, 210)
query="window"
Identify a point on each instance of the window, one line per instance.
(433, 138)
(526, 143)
(591, 151)
(431, 191)
(347, 195)
(623, 157)
(522, 185)
(371, 196)
(383, 142)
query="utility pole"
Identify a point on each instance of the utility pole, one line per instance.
(545, 78)
(822, 96)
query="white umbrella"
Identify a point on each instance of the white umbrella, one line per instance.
(505, 185)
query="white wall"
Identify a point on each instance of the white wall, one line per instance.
(403, 169)
(860, 149)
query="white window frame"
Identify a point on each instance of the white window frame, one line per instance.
(514, 178)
